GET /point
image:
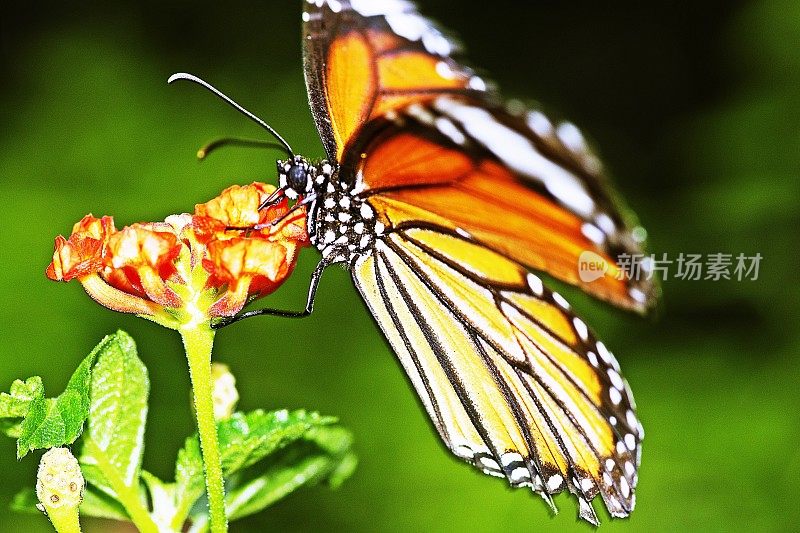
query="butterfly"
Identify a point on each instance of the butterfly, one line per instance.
(441, 202)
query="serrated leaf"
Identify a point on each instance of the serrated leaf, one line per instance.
(94, 503)
(245, 439)
(323, 455)
(52, 422)
(118, 409)
(17, 401)
(296, 448)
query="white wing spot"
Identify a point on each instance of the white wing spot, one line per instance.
(476, 83)
(630, 441)
(554, 482)
(616, 379)
(605, 355)
(580, 327)
(607, 479)
(621, 448)
(615, 396)
(624, 487)
(610, 464)
(450, 130)
(593, 233)
(630, 470)
(571, 136)
(605, 223)
(344, 217)
(592, 359)
(489, 463)
(562, 303)
(421, 114)
(612, 420)
(511, 457)
(540, 124)
(535, 284)
(359, 228)
(586, 484)
(638, 295)
(366, 211)
(330, 203)
(464, 233)
(631, 419)
(519, 474)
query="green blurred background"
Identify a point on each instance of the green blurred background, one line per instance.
(695, 109)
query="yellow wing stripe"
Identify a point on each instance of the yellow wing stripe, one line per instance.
(480, 261)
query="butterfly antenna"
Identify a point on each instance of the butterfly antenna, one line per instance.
(228, 100)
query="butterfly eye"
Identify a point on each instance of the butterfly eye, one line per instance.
(297, 178)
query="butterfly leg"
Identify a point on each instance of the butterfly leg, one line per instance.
(312, 293)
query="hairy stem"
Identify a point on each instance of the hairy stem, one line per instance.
(198, 339)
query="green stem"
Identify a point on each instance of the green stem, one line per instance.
(198, 339)
(64, 519)
(128, 496)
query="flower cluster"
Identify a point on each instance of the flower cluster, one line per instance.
(190, 267)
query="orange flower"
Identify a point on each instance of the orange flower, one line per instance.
(213, 262)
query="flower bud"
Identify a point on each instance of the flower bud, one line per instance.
(225, 394)
(59, 487)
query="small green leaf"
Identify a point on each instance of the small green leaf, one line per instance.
(15, 404)
(245, 439)
(189, 481)
(324, 455)
(118, 409)
(52, 422)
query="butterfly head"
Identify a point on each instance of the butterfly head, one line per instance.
(296, 176)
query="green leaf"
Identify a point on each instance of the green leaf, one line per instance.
(52, 422)
(118, 409)
(189, 481)
(15, 404)
(245, 439)
(325, 456)
(265, 456)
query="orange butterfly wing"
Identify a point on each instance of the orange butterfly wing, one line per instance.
(358, 68)
(407, 122)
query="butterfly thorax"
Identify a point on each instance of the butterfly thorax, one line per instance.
(341, 224)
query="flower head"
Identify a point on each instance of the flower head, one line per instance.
(208, 264)
(59, 482)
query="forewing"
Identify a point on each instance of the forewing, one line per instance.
(512, 380)
(364, 59)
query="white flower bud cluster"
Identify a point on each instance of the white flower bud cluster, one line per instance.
(59, 482)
